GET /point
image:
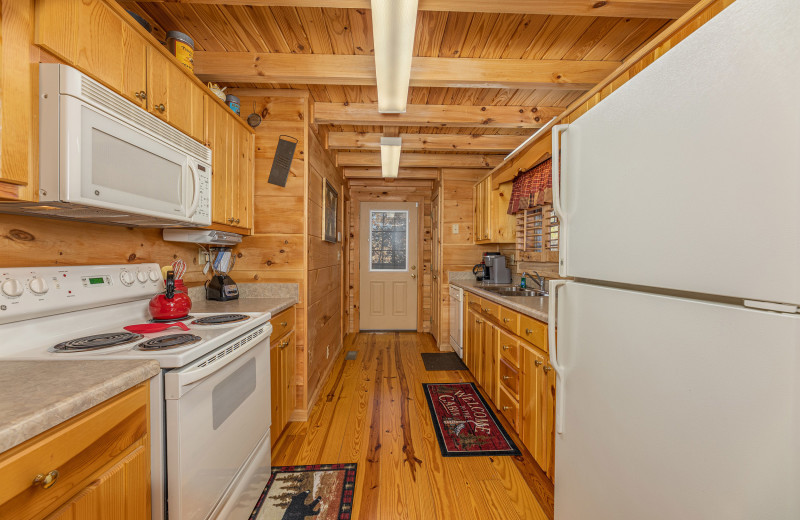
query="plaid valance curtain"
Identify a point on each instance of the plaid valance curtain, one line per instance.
(533, 187)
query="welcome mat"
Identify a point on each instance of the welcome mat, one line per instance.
(464, 423)
(322, 491)
(442, 361)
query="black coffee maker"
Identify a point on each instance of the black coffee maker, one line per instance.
(221, 287)
(481, 271)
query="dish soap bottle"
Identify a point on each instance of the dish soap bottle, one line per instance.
(522, 283)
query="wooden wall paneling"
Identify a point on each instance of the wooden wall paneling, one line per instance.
(324, 289)
(277, 251)
(33, 242)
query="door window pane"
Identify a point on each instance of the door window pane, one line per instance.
(388, 240)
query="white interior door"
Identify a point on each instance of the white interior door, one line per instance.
(675, 408)
(673, 182)
(388, 265)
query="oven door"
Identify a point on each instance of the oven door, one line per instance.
(109, 164)
(218, 417)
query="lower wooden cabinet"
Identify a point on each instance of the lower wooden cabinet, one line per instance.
(95, 465)
(506, 352)
(282, 368)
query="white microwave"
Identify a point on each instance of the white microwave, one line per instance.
(104, 159)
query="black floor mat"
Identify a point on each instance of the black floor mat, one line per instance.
(442, 361)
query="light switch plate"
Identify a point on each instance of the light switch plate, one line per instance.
(455, 229)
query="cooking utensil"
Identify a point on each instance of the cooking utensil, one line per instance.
(179, 266)
(254, 119)
(146, 328)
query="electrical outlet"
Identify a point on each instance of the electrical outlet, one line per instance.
(327, 351)
(455, 229)
(202, 257)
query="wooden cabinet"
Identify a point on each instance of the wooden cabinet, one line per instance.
(282, 368)
(492, 223)
(98, 462)
(537, 400)
(19, 168)
(506, 352)
(172, 96)
(232, 149)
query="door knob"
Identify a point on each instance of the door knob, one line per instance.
(46, 481)
(506, 408)
(413, 275)
(160, 108)
(506, 378)
(547, 369)
(528, 332)
(537, 363)
(506, 347)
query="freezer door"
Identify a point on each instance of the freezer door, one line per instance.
(675, 409)
(688, 176)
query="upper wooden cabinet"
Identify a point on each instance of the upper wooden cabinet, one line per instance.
(492, 224)
(172, 96)
(19, 178)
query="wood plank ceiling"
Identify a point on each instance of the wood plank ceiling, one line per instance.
(533, 59)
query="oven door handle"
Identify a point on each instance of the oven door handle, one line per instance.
(178, 382)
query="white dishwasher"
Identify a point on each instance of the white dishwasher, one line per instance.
(457, 320)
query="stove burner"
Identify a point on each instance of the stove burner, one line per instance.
(97, 342)
(168, 342)
(172, 320)
(220, 319)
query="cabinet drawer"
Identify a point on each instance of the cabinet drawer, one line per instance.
(78, 450)
(474, 303)
(533, 331)
(509, 349)
(509, 319)
(509, 377)
(282, 323)
(490, 308)
(508, 407)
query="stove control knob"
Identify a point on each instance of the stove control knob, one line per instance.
(12, 287)
(154, 276)
(126, 277)
(38, 285)
(141, 276)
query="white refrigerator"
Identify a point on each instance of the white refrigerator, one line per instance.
(678, 346)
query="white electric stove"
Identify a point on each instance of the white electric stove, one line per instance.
(210, 408)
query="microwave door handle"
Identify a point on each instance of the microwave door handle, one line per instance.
(196, 194)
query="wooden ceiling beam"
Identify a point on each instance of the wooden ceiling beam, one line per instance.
(337, 69)
(667, 9)
(457, 116)
(421, 160)
(373, 172)
(427, 142)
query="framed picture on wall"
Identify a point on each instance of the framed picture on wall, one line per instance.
(330, 205)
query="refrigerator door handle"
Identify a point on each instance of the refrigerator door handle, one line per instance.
(553, 348)
(556, 181)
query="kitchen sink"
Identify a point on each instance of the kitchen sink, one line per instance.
(515, 291)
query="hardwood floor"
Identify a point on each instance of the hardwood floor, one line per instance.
(373, 411)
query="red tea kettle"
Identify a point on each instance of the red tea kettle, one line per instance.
(171, 304)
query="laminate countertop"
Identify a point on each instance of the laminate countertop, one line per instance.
(38, 395)
(271, 305)
(534, 306)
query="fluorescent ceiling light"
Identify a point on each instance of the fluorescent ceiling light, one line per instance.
(394, 23)
(390, 156)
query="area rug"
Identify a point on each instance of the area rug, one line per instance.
(322, 492)
(442, 361)
(465, 425)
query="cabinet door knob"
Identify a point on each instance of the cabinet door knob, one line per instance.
(284, 323)
(506, 347)
(434, 277)
(506, 408)
(537, 363)
(528, 332)
(478, 321)
(506, 378)
(547, 369)
(230, 220)
(141, 95)
(160, 108)
(46, 481)
(506, 320)
(237, 220)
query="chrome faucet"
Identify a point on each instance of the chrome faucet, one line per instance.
(538, 279)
